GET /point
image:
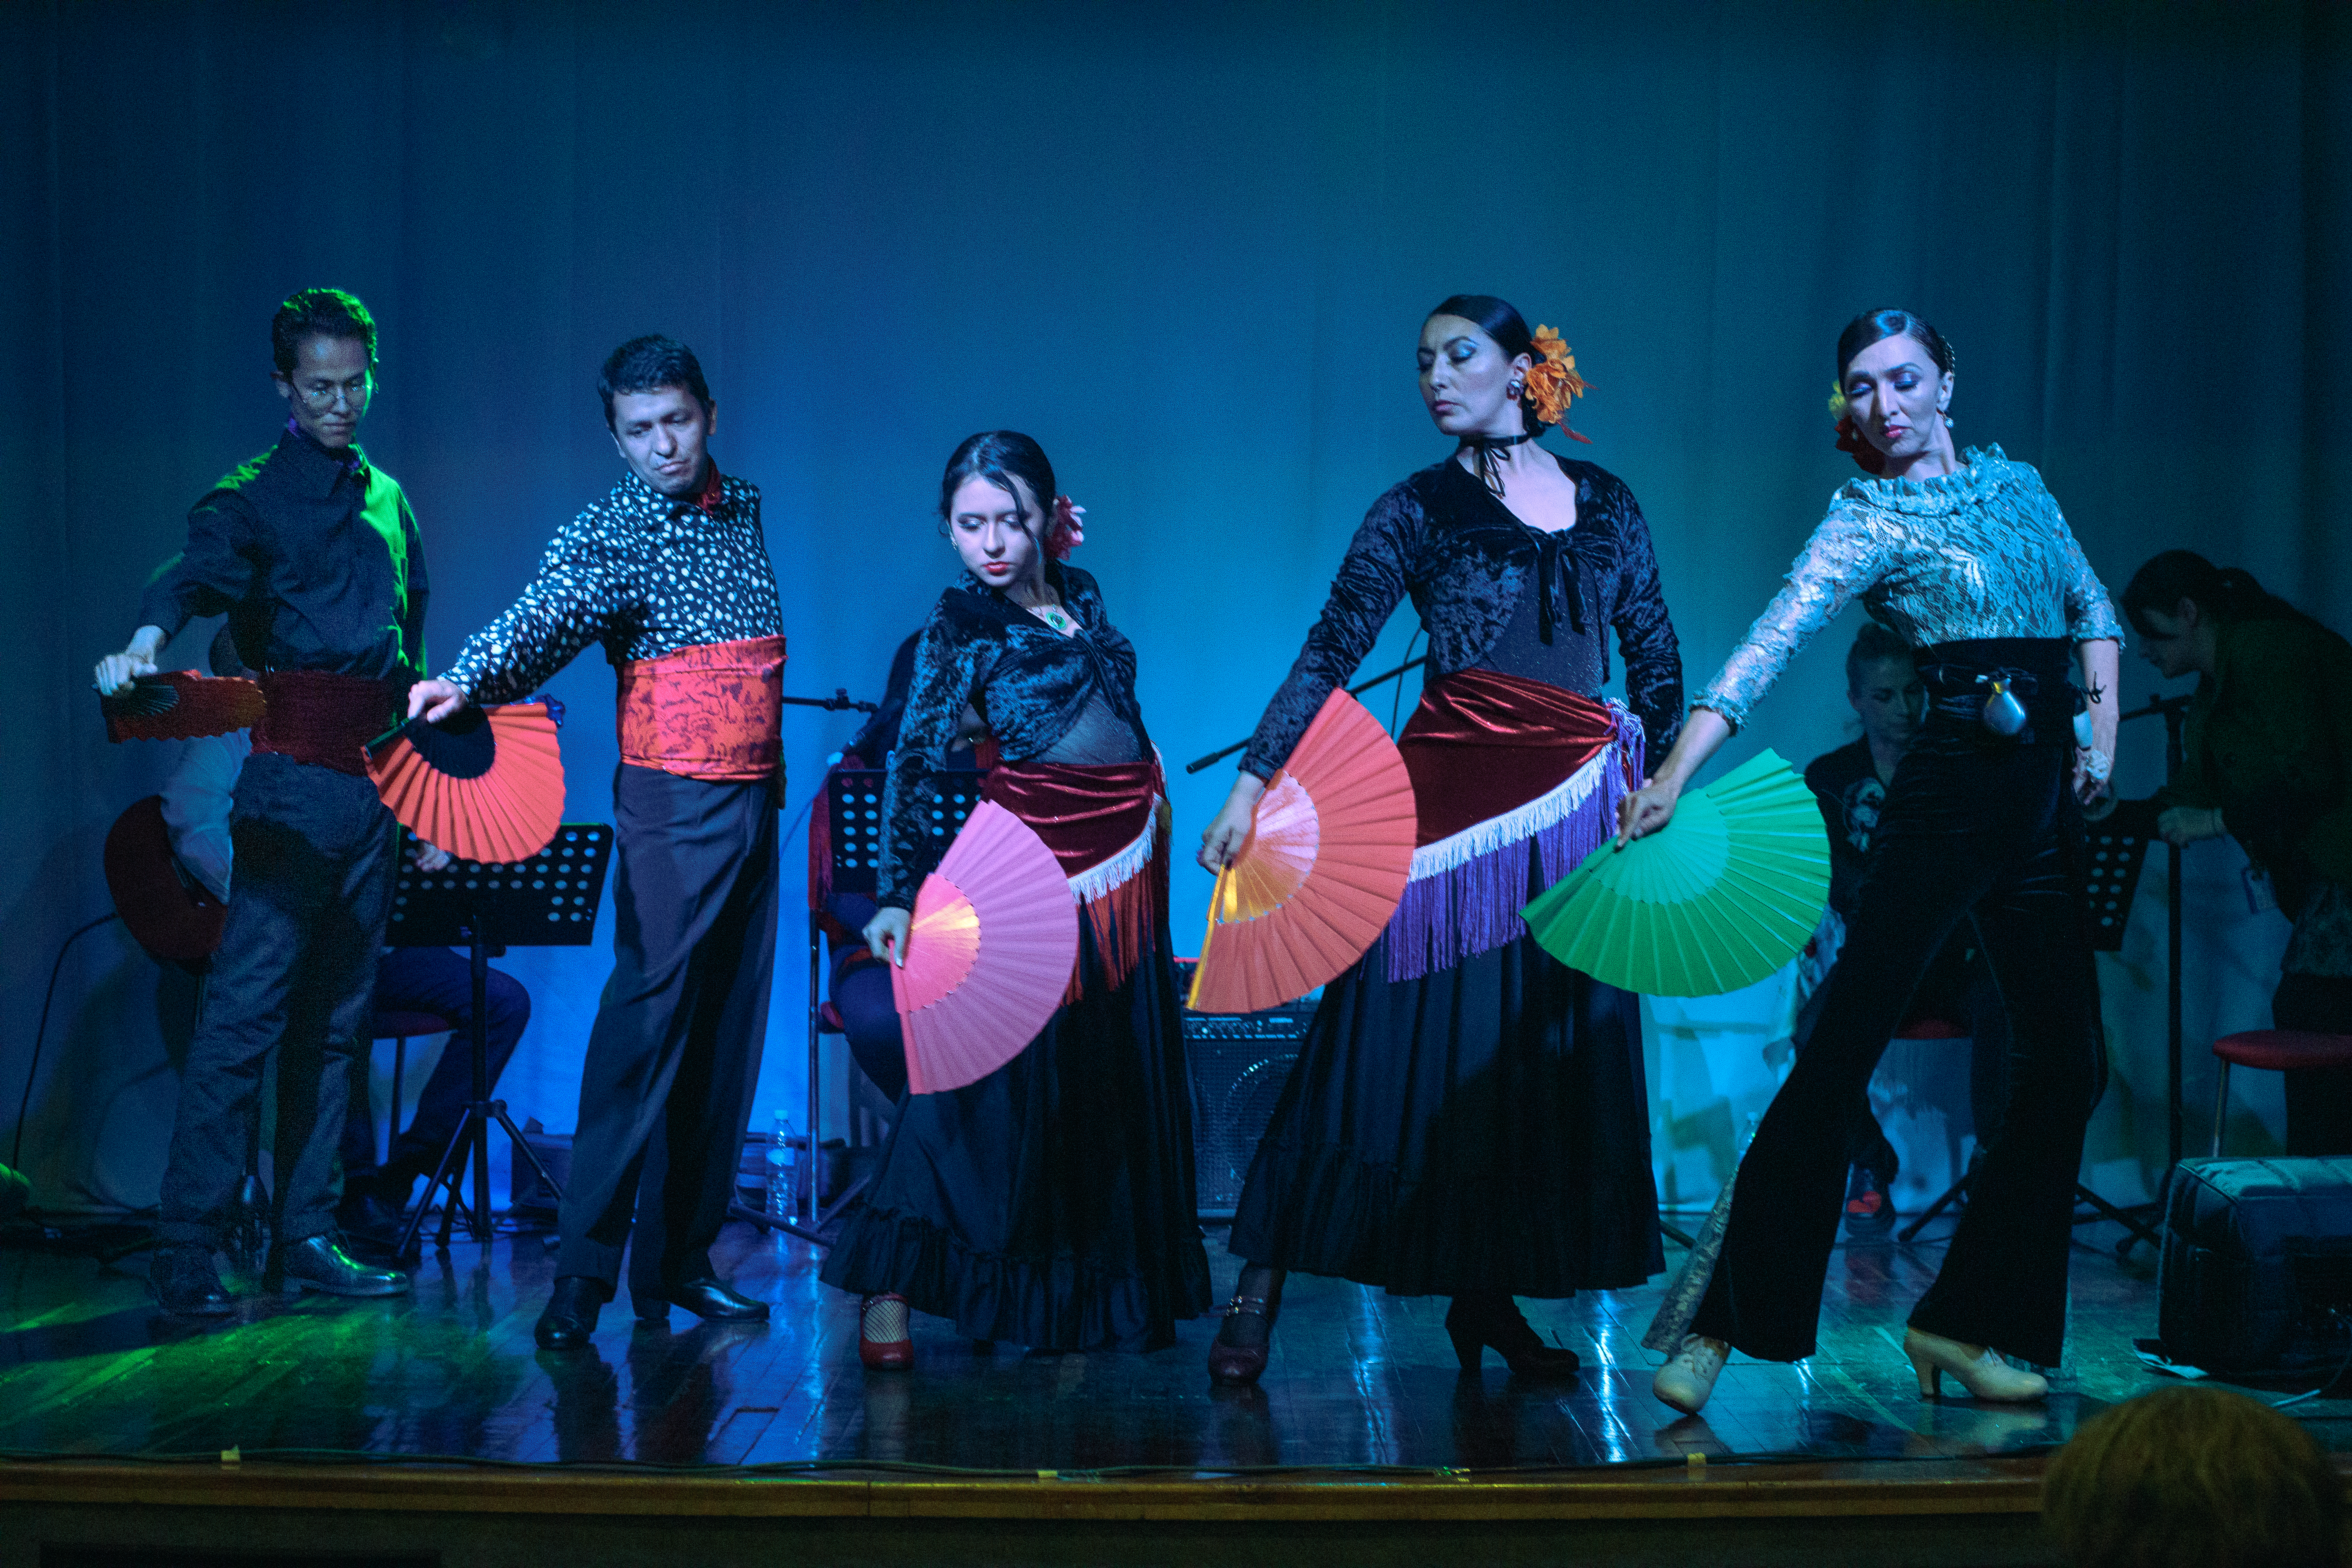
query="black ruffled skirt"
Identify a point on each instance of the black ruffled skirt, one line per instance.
(1051, 1203)
(1482, 1128)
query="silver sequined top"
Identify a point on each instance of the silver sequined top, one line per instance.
(1982, 552)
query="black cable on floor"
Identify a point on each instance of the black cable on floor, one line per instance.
(16, 1144)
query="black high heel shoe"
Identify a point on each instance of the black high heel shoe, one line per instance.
(1491, 1320)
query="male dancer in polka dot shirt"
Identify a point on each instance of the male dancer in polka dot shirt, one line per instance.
(670, 571)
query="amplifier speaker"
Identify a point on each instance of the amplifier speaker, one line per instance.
(1239, 1063)
(2257, 1269)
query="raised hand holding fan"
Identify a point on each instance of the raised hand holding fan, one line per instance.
(182, 705)
(1322, 870)
(1723, 895)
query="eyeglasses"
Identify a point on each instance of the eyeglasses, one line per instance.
(321, 398)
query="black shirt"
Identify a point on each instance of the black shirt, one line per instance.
(315, 558)
(1845, 785)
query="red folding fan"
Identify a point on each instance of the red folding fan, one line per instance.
(989, 953)
(182, 705)
(486, 783)
(1320, 873)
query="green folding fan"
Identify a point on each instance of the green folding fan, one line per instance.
(1718, 898)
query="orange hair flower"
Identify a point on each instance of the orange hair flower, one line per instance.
(1552, 381)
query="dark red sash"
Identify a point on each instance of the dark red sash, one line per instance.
(1086, 814)
(1482, 743)
(323, 718)
(710, 712)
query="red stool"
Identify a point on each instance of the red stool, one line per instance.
(2273, 1050)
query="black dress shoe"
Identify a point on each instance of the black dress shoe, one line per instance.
(570, 1315)
(705, 1297)
(320, 1263)
(181, 1280)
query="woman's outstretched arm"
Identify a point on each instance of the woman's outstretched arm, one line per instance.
(1652, 806)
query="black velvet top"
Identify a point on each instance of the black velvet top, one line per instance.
(1443, 538)
(1044, 696)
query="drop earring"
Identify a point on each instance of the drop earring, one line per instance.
(1518, 385)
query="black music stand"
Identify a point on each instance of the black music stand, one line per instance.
(547, 901)
(852, 808)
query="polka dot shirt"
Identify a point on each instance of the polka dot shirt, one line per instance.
(642, 575)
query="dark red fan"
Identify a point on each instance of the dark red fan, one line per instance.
(486, 783)
(182, 705)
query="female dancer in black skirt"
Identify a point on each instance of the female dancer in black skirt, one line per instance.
(1467, 1116)
(1051, 1203)
(1966, 557)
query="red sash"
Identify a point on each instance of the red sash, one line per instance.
(710, 712)
(1097, 819)
(1482, 743)
(1502, 768)
(323, 718)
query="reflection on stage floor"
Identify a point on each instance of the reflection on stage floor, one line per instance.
(1358, 1378)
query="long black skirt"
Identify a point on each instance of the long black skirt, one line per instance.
(1051, 1203)
(1483, 1128)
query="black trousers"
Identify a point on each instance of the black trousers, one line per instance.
(666, 1083)
(2319, 1101)
(1972, 825)
(440, 981)
(316, 853)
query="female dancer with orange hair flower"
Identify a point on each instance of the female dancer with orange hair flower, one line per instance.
(1467, 1116)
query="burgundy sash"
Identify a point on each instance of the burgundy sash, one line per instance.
(323, 718)
(710, 712)
(1502, 768)
(1482, 743)
(1092, 816)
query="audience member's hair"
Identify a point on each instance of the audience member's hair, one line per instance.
(318, 313)
(1872, 644)
(2195, 1477)
(648, 364)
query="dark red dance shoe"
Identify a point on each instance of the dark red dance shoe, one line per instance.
(1233, 1362)
(883, 1341)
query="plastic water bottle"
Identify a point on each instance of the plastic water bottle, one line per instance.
(783, 1170)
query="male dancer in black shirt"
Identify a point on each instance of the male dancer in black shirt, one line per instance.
(313, 554)
(670, 573)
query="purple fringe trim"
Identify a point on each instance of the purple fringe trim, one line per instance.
(1472, 907)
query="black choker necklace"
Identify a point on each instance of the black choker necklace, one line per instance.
(1486, 447)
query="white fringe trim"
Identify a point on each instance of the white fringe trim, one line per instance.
(1517, 825)
(1099, 879)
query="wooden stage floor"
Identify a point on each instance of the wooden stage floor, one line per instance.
(1362, 1388)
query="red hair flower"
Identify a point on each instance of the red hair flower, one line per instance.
(1850, 440)
(1067, 530)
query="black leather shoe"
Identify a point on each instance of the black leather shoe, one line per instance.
(181, 1280)
(570, 1315)
(320, 1263)
(705, 1297)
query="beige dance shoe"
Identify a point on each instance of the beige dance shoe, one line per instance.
(1984, 1374)
(1685, 1380)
